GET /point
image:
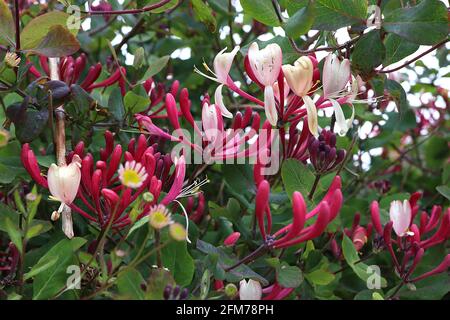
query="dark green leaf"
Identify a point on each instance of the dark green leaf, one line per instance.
(368, 53)
(261, 10)
(129, 285)
(397, 49)
(301, 22)
(425, 23)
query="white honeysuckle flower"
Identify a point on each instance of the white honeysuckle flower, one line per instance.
(400, 215)
(342, 125)
(221, 65)
(250, 290)
(299, 76)
(336, 75)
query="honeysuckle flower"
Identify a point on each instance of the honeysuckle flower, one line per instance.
(159, 217)
(311, 112)
(222, 65)
(266, 66)
(210, 121)
(218, 100)
(12, 60)
(342, 125)
(336, 75)
(64, 180)
(132, 175)
(400, 215)
(250, 290)
(323, 154)
(300, 76)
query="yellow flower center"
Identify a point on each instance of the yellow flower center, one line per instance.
(131, 177)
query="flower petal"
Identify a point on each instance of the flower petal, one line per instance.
(311, 115)
(218, 99)
(269, 105)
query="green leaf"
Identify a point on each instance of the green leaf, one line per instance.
(369, 52)
(115, 104)
(224, 261)
(205, 284)
(436, 151)
(232, 211)
(301, 22)
(135, 103)
(129, 285)
(30, 128)
(298, 177)
(49, 283)
(14, 233)
(333, 14)
(7, 27)
(289, 276)
(444, 190)
(176, 258)
(425, 23)
(37, 227)
(38, 28)
(204, 14)
(40, 267)
(156, 66)
(352, 258)
(397, 48)
(320, 277)
(6, 174)
(58, 42)
(261, 10)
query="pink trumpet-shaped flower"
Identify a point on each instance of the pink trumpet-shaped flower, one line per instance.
(336, 75)
(400, 215)
(64, 180)
(266, 66)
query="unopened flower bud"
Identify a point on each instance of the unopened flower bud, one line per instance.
(231, 290)
(55, 216)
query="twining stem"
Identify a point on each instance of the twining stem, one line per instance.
(158, 252)
(416, 58)
(129, 11)
(252, 256)
(17, 22)
(314, 187)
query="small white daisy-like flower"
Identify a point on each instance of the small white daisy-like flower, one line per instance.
(159, 217)
(12, 60)
(132, 175)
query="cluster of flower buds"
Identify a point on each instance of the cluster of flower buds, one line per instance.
(195, 207)
(122, 185)
(412, 240)
(383, 186)
(71, 70)
(9, 260)
(323, 153)
(296, 232)
(175, 293)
